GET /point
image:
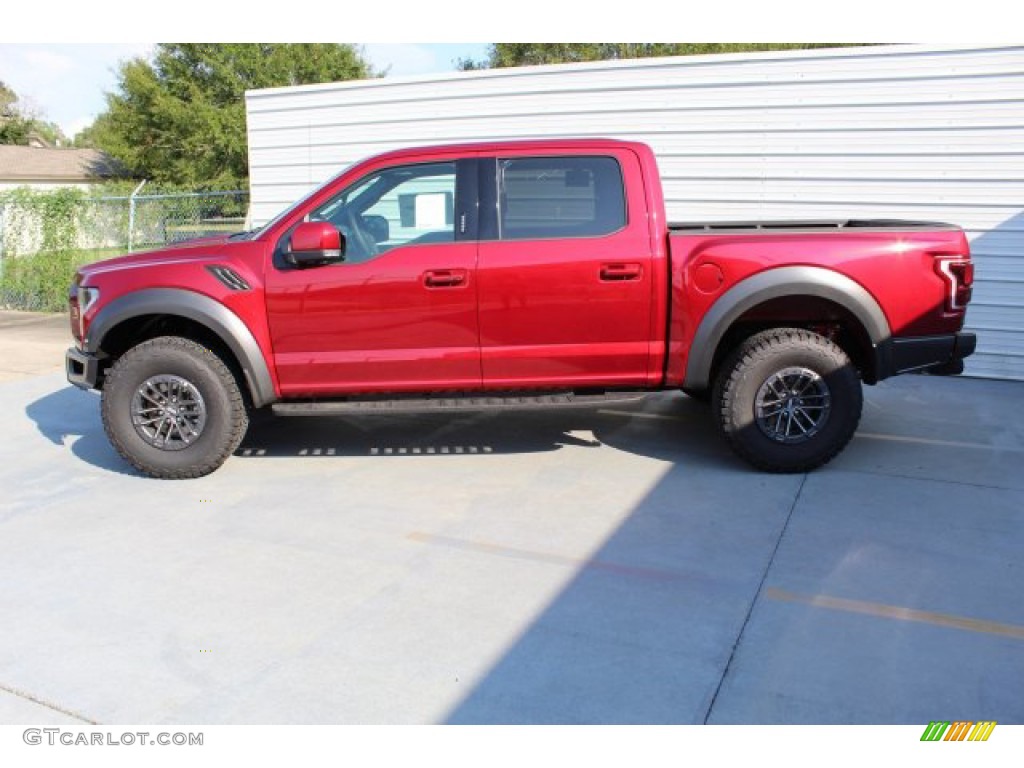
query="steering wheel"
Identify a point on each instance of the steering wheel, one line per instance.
(367, 245)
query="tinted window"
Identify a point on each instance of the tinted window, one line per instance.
(544, 197)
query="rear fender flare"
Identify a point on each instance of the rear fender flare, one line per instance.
(774, 284)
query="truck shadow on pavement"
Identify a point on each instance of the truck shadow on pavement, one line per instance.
(666, 426)
(69, 412)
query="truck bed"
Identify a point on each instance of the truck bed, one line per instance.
(813, 225)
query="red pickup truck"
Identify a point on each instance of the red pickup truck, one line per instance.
(513, 274)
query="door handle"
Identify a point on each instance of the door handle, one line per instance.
(621, 271)
(444, 278)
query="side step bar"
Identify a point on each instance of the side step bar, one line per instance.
(461, 402)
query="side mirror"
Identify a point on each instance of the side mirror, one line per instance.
(314, 244)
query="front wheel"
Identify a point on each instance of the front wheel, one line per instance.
(173, 409)
(788, 400)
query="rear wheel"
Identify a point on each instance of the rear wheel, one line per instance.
(788, 400)
(173, 409)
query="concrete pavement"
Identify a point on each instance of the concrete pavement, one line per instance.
(32, 343)
(605, 565)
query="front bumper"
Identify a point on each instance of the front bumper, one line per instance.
(83, 369)
(938, 355)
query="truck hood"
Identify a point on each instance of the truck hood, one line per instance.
(202, 249)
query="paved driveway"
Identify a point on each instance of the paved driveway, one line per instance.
(598, 565)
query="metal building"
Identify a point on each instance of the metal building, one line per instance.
(920, 132)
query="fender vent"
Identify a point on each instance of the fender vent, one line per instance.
(229, 277)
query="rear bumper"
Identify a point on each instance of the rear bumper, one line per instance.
(938, 355)
(83, 369)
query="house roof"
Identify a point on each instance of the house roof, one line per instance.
(51, 164)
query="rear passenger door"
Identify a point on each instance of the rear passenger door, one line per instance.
(565, 281)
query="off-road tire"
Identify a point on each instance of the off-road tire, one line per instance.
(226, 418)
(759, 360)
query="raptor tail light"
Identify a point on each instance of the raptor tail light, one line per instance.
(958, 274)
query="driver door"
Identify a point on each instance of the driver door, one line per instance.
(400, 312)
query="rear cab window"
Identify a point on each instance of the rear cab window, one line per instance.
(560, 197)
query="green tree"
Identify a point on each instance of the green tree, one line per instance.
(524, 54)
(14, 126)
(18, 121)
(181, 119)
(8, 98)
(50, 132)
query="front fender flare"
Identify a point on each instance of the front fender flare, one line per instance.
(228, 327)
(774, 284)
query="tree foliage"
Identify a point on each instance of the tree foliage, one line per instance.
(18, 123)
(181, 118)
(524, 54)
(8, 98)
(50, 132)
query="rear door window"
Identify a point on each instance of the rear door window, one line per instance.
(560, 197)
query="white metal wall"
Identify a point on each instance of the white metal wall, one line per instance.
(933, 133)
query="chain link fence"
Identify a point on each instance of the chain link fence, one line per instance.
(44, 236)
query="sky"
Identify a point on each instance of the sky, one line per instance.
(66, 83)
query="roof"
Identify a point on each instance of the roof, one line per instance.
(51, 164)
(490, 147)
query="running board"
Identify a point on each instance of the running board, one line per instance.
(470, 402)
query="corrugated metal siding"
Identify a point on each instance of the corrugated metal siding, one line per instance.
(933, 133)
